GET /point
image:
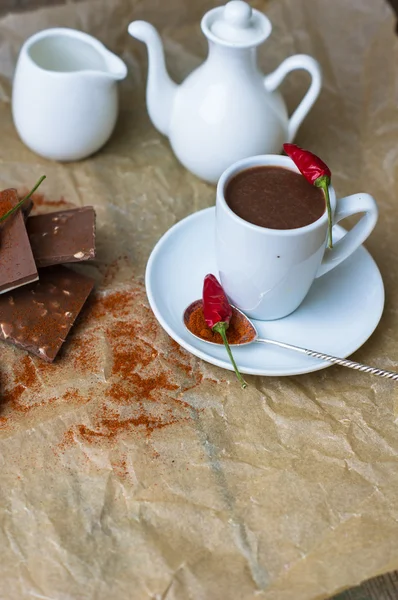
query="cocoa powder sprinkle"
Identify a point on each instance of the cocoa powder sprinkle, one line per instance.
(118, 362)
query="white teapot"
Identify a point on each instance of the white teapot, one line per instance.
(226, 109)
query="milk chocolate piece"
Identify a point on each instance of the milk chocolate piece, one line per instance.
(17, 266)
(38, 317)
(65, 236)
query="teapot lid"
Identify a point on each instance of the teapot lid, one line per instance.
(236, 24)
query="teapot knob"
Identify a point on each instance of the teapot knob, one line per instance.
(237, 13)
(237, 24)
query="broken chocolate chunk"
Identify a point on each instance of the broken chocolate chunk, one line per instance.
(62, 237)
(17, 266)
(27, 208)
(39, 316)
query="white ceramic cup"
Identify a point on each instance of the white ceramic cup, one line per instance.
(268, 272)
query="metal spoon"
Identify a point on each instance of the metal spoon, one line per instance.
(253, 337)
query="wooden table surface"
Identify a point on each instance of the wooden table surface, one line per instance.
(380, 588)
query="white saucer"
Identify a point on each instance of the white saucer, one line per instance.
(339, 314)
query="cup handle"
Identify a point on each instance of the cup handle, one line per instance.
(350, 205)
(274, 79)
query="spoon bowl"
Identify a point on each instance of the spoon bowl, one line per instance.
(237, 317)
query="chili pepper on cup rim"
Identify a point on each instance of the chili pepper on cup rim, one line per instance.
(316, 172)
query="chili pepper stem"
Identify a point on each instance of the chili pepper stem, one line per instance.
(21, 202)
(221, 328)
(323, 183)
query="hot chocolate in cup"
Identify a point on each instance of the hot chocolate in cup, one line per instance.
(267, 271)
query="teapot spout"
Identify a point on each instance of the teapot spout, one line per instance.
(161, 89)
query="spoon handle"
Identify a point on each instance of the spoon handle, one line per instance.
(333, 359)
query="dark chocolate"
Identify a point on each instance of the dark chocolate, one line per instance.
(39, 316)
(65, 236)
(17, 266)
(27, 208)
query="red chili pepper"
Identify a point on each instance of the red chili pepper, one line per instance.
(218, 312)
(216, 307)
(316, 172)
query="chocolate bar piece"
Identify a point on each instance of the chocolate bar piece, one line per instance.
(62, 237)
(17, 266)
(27, 208)
(38, 317)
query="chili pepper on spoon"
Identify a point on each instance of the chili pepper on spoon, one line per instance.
(218, 312)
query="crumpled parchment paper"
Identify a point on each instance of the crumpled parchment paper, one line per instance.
(132, 470)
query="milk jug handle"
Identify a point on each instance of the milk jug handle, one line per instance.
(293, 63)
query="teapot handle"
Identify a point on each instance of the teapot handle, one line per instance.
(293, 63)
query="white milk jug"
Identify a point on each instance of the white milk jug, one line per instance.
(65, 97)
